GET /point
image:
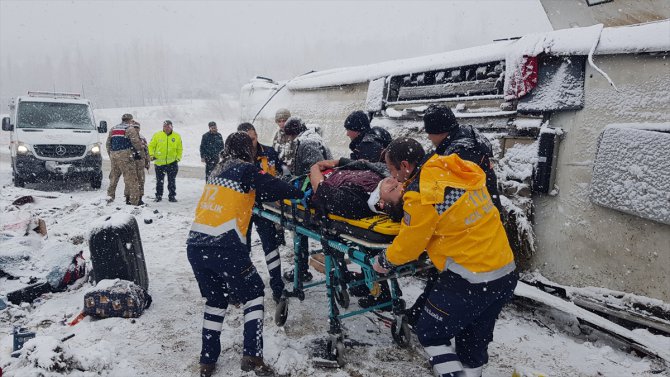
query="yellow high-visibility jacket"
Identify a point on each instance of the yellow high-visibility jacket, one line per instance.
(223, 213)
(165, 149)
(449, 213)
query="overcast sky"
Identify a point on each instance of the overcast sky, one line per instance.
(218, 45)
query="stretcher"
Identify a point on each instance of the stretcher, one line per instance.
(359, 241)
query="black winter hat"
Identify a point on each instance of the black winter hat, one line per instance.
(439, 119)
(294, 126)
(211, 124)
(357, 121)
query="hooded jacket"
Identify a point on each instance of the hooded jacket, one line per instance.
(309, 149)
(472, 146)
(367, 146)
(449, 213)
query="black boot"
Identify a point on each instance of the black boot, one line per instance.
(361, 290)
(304, 277)
(158, 199)
(206, 370)
(257, 365)
(276, 296)
(384, 296)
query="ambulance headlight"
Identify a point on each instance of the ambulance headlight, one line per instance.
(95, 149)
(22, 148)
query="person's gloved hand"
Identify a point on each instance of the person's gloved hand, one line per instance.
(306, 196)
(382, 265)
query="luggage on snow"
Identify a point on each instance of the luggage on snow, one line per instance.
(116, 250)
(116, 298)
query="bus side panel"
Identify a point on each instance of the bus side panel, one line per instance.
(584, 244)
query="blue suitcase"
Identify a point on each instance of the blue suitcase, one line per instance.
(116, 298)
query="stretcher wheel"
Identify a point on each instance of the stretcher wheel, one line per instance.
(337, 352)
(342, 297)
(281, 312)
(401, 334)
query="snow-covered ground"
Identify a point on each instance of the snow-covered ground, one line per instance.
(165, 341)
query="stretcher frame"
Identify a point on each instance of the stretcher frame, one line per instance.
(335, 247)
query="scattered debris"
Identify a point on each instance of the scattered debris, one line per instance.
(24, 200)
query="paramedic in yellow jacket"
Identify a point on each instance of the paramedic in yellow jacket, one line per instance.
(218, 253)
(449, 214)
(165, 150)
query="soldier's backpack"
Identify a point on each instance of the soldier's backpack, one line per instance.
(116, 298)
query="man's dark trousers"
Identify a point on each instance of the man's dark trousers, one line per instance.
(209, 167)
(456, 308)
(171, 170)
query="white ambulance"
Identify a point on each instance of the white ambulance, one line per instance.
(54, 137)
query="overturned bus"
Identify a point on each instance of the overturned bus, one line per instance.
(580, 123)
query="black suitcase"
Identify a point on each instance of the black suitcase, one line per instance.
(116, 250)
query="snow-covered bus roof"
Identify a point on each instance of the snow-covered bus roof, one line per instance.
(649, 37)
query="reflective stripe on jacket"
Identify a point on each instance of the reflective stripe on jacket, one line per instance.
(268, 160)
(165, 148)
(223, 213)
(449, 213)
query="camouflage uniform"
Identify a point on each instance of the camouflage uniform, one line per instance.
(140, 165)
(121, 141)
(285, 147)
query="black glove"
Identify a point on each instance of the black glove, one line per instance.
(381, 259)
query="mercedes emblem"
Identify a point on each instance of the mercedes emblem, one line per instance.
(60, 150)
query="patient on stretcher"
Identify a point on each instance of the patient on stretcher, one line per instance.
(354, 191)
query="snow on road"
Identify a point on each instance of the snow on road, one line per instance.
(165, 341)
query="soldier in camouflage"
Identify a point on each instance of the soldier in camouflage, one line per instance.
(281, 142)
